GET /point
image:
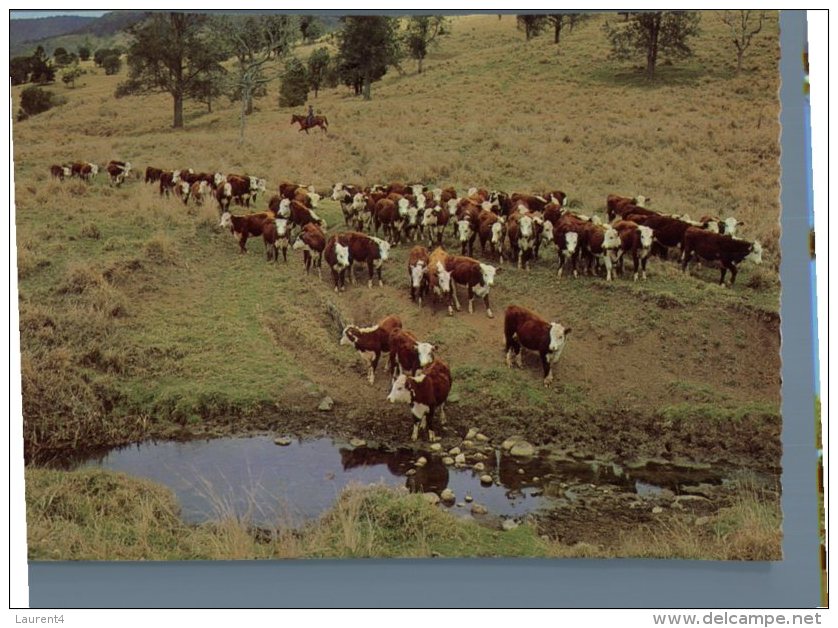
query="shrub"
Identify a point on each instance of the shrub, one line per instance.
(294, 89)
(34, 100)
(112, 64)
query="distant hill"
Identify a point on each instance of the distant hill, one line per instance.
(69, 31)
(44, 27)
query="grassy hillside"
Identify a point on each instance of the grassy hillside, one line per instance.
(139, 317)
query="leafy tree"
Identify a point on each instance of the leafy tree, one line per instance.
(422, 31)
(19, 69)
(560, 20)
(112, 64)
(169, 53)
(42, 71)
(293, 90)
(532, 25)
(84, 52)
(209, 86)
(70, 74)
(100, 54)
(652, 33)
(367, 44)
(60, 56)
(310, 28)
(318, 68)
(743, 26)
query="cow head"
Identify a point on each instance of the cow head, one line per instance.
(488, 272)
(596, 220)
(417, 272)
(558, 337)
(547, 232)
(611, 239)
(176, 177)
(471, 192)
(497, 233)
(217, 179)
(437, 193)
(425, 350)
(349, 335)
(383, 248)
(417, 188)
(399, 392)
(443, 278)
(226, 221)
(314, 197)
(645, 236)
(452, 206)
(284, 208)
(755, 253)
(728, 226)
(641, 201)
(429, 217)
(413, 216)
(403, 205)
(525, 227)
(337, 191)
(571, 239)
(341, 255)
(464, 230)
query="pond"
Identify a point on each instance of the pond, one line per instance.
(268, 485)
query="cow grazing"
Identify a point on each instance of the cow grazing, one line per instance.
(243, 227)
(477, 277)
(417, 271)
(407, 354)
(714, 247)
(364, 249)
(336, 253)
(637, 240)
(152, 174)
(311, 242)
(524, 328)
(117, 171)
(622, 205)
(60, 172)
(168, 180)
(371, 342)
(427, 391)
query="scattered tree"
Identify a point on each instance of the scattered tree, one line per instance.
(532, 25)
(367, 45)
(209, 86)
(34, 100)
(41, 70)
(84, 53)
(293, 91)
(19, 69)
(112, 64)
(310, 28)
(170, 52)
(560, 20)
(422, 31)
(743, 25)
(60, 57)
(70, 74)
(652, 33)
(318, 68)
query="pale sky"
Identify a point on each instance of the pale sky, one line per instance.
(20, 15)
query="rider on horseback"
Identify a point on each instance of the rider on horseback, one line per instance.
(310, 116)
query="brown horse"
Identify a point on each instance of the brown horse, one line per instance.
(320, 121)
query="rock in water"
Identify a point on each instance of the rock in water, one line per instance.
(478, 509)
(436, 447)
(447, 495)
(326, 404)
(522, 448)
(507, 444)
(448, 461)
(468, 498)
(460, 459)
(486, 479)
(282, 441)
(479, 466)
(357, 442)
(453, 451)
(471, 434)
(421, 462)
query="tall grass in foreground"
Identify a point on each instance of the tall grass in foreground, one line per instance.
(98, 515)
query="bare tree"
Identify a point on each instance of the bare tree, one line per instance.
(743, 26)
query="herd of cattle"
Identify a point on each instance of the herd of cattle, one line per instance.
(509, 227)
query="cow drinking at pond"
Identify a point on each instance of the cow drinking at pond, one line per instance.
(524, 328)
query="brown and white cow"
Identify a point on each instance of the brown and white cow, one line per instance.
(60, 172)
(668, 232)
(364, 249)
(269, 237)
(524, 328)
(427, 392)
(407, 354)
(371, 342)
(467, 227)
(477, 277)
(714, 247)
(623, 205)
(492, 229)
(600, 244)
(243, 227)
(439, 278)
(312, 242)
(168, 180)
(725, 226)
(521, 234)
(117, 171)
(417, 271)
(637, 240)
(566, 238)
(336, 254)
(152, 174)
(434, 221)
(297, 214)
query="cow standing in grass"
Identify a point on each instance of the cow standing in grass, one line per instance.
(524, 328)
(371, 342)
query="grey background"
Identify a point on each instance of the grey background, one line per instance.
(792, 582)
